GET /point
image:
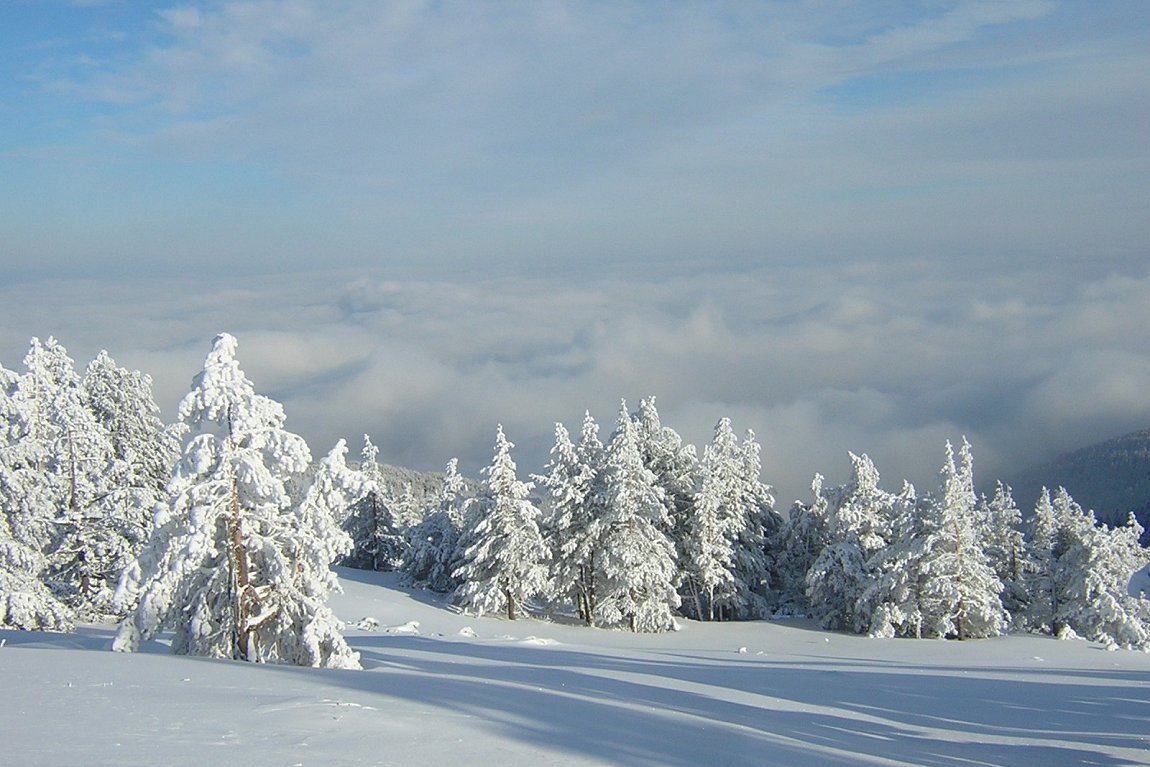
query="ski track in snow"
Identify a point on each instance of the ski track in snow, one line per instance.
(442, 688)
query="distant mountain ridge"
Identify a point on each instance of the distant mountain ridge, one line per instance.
(1111, 477)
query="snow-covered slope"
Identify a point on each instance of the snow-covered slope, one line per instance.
(444, 688)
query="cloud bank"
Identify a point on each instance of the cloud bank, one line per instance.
(876, 359)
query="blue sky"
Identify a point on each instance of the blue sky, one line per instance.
(744, 166)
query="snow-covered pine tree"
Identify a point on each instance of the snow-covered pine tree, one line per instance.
(1042, 541)
(433, 543)
(72, 512)
(26, 603)
(960, 595)
(796, 546)
(378, 540)
(858, 526)
(758, 525)
(231, 555)
(574, 530)
(505, 564)
(675, 466)
(1002, 541)
(1091, 574)
(892, 596)
(124, 405)
(712, 527)
(307, 632)
(131, 453)
(637, 557)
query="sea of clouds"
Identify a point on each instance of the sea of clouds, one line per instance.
(891, 360)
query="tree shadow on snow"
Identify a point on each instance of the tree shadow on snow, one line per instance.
(688, 711)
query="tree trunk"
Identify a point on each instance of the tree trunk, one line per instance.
(242, 594)
(510, 604)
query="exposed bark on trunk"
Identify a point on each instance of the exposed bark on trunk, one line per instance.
(510, 604)
(243, 596)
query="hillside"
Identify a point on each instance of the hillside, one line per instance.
(444, 688)
(1111, 477)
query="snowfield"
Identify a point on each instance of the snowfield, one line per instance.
(441, 688)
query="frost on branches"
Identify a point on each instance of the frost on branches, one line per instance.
(575, 526)
(433, 543)
(1079, 575)
(377, 536)
(25, 602)
(237, 567)
(505, 563)
(858, 520)
(960, 594)
(639, 570)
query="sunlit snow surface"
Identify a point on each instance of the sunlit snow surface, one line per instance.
(446, 689)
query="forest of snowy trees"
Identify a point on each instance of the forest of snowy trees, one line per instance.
(220, 529)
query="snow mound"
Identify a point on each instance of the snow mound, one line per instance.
(411, 627)
(539, 641)
(366, 623)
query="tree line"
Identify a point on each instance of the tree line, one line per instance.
(222, 529)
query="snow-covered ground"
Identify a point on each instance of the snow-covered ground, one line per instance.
(441, 688)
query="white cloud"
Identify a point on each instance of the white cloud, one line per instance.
(880, 360)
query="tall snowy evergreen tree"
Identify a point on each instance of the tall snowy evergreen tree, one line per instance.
(575, 529)
(1003, 542)
(68, 457)
(378, 541)
(638, 558)
(893, 597)
(795, 547)
(26, 603)
(712, 526)
(433, 544)
(133, 452)
(505, 564)
(1042, 553)
(758, 525)
(960, 595)
(858, 527)
(1090, 569)
(236, 564)
(308, 633)
(675, 467)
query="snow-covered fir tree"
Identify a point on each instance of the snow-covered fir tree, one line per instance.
(639, 573)
(1042, 552)
(378, 540)
(758, 525)
(1092, 569)
(308, 633)
(891, 603)
(1000, 530)
(433, 543)
(960, 594)
(505, 563)
(712, 525)
(858, 527)
(237, 566)
(795, 547)
(575, 527)
(26, 603)
(134, 452)
(73, 512)
(674, 464)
